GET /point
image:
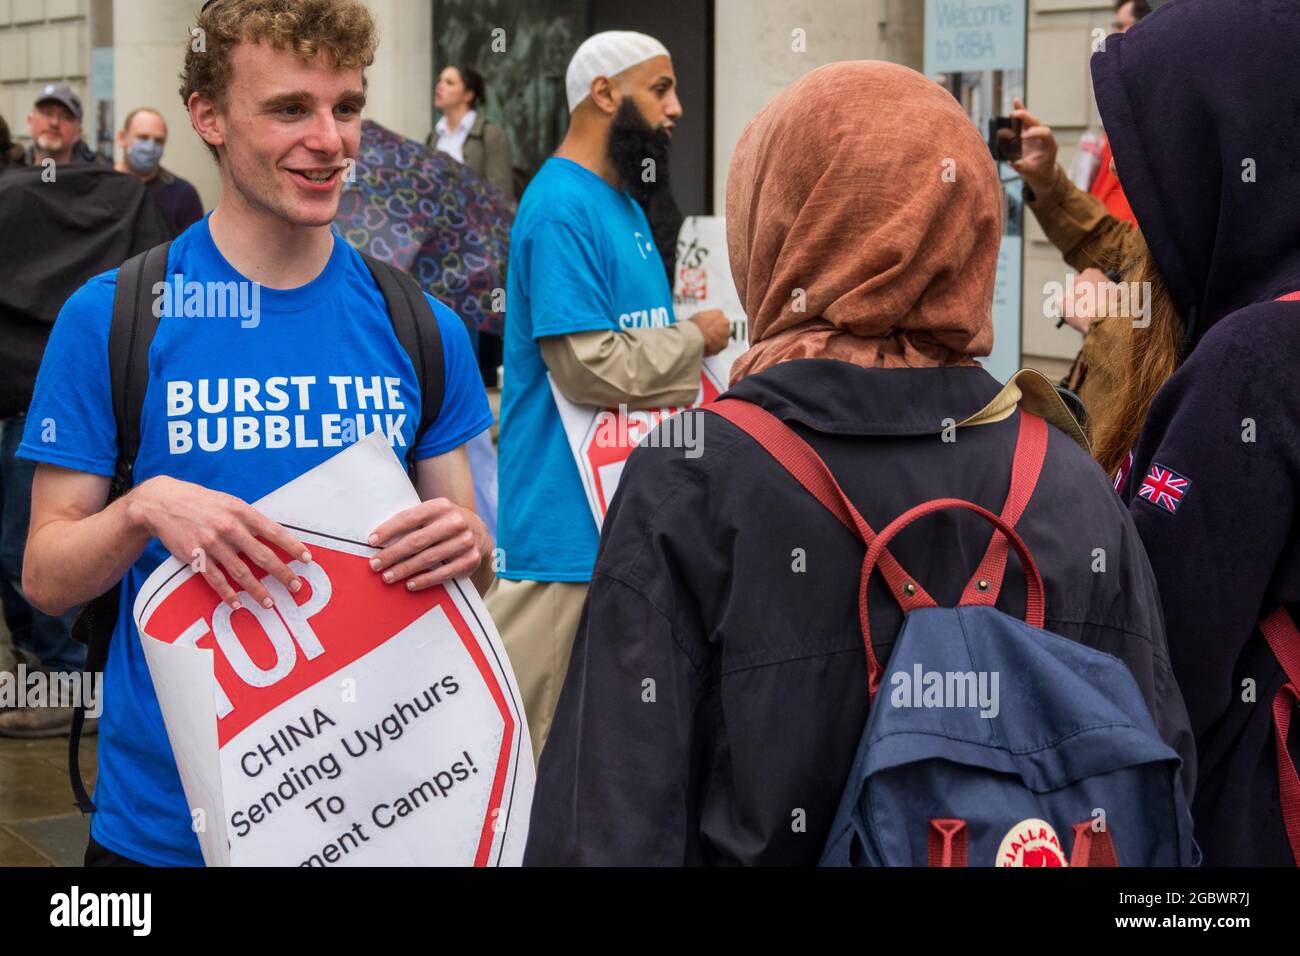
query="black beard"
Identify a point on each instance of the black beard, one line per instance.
(631, 142)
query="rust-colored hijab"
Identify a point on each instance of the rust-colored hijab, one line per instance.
(863, 220)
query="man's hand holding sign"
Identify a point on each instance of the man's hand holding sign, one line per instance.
(268, 610)
(221, 536)
(438, 539)
(357, 719)
(218, 535)
(715, 328)
(601, 437)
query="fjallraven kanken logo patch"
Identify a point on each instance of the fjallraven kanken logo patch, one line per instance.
(1033, 843)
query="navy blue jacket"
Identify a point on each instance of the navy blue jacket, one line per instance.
(726, 583)
(1201, 101)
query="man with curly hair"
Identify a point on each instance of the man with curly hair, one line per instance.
(236, 407)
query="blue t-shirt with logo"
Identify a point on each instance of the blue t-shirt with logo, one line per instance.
(240, 404)
(582, 259)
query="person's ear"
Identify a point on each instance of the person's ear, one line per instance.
(121, 138)
(206, 119)
(605, 94)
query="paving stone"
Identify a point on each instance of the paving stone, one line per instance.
(31, 784)
(61, 840)
(17, 852)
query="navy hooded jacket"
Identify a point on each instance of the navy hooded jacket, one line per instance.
(1201, 102)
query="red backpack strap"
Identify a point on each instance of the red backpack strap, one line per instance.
(806, 467)
(946, 843)
(1034, 593)
(797, 457)
(1092, 848)
(1031, 450)
(1284, 641)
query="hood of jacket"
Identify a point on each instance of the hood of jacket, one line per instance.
(54, 236)
(1201, 102)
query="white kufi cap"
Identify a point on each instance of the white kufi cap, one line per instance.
(607, 54)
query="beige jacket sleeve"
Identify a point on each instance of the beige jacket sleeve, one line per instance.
(640, 368)
(499, 171)
(1078, 224)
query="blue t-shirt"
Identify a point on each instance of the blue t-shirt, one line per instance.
(582, 259)
(241, 405)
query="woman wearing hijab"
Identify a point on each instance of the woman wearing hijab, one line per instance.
(717, 687)
(1209, 162)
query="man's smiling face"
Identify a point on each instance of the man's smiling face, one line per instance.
(290, 127)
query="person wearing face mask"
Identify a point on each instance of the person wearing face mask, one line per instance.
(143, 137)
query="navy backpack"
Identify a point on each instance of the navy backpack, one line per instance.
(1064, 769)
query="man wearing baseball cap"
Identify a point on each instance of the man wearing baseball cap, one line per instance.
(54, 125)
(589, 304)
(56, 232)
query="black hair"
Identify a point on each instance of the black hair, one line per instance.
(1140, 8)
(11, 153)
(473, 81)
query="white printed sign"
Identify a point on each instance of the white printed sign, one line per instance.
(703, 281)
(356, 723)
(601, 439)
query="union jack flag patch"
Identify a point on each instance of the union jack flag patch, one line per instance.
(1164, 488)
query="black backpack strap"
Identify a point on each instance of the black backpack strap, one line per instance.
(417, 331)
(94, 627)
(129, 337)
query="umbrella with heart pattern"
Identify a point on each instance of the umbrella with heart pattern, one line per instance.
(432, 216)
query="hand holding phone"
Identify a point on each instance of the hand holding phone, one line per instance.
(1004, 139)
(1037, 160)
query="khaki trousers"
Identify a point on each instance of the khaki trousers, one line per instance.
(538, 621)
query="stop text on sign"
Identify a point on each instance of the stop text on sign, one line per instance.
(286, 626)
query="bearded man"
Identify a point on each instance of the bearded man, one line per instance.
(589, 304)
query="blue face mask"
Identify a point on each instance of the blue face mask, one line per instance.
(143, 156)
